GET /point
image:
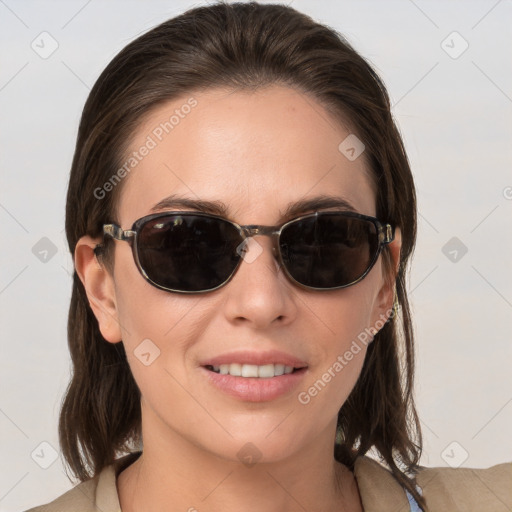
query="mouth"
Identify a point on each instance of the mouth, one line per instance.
(265, 371)
(254, 383)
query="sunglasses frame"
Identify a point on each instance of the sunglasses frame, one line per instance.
(385, 233)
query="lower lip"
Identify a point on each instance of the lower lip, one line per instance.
(255, 389)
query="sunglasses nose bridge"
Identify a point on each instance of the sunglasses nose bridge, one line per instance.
(254, 229)
(271, 231)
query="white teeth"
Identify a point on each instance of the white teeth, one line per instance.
(249, 370)
(278, 369)
(253, 370)
(267, 370)
(235, 369)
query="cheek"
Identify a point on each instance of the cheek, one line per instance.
(341, 339)
(342, 317)
(153, 322)
(158, 331)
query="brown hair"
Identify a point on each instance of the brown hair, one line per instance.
(240, 46)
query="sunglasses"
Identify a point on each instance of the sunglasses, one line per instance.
(189, 252)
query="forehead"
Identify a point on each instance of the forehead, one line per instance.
(255, 151)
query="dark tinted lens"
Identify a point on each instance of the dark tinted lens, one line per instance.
(329, 250)
(188, 252)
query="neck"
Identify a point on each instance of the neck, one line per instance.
(175, 474)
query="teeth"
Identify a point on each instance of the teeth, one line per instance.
(278, 369)
(253, 370)
(267, 370)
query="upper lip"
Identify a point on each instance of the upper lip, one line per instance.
(256, 358)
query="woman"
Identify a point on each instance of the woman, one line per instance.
(241, 213)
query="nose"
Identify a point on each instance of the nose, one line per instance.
(257, 292)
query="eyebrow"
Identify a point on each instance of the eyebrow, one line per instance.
(293, 209)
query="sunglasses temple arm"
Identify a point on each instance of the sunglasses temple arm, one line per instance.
(386, 233)
(117, 233)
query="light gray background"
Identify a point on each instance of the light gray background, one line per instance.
(455, 116)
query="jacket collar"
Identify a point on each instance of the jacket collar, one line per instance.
(379, 490)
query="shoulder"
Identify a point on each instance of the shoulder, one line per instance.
(468, 489)
(81, 497)
(98, 493)
(462, 489)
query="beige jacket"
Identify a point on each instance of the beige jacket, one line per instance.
(445, 490)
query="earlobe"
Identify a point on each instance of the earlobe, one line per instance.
(99, 287)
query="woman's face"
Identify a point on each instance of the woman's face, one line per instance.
(256, 152)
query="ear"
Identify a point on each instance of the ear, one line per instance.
(99, 287)
(386, 294)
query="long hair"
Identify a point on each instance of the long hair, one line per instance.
(239, 46)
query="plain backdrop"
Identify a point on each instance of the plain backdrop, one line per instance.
(447, 68)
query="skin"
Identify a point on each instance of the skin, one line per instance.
(255, 151)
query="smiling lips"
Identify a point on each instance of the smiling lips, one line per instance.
(266, 364)
(255, 376)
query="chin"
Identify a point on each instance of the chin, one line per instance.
(261, 446)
